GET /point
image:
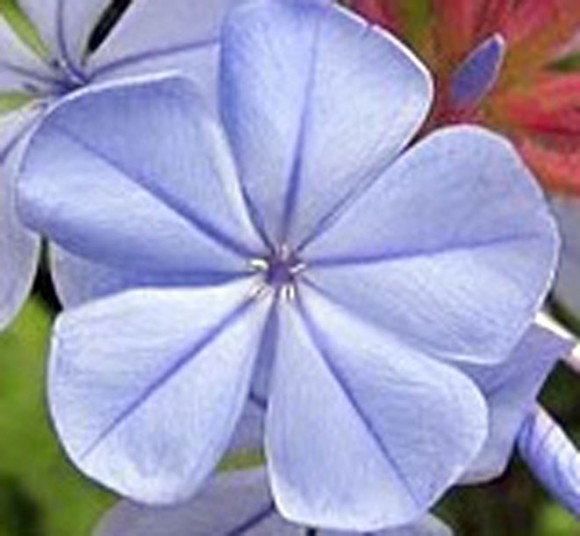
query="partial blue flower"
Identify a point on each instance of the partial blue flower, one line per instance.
(150, 37)
(238, 502)
(511, 389)
(552, 457)
(299, 258)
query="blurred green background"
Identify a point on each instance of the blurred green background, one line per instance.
(41, 494)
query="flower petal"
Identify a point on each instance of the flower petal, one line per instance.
(78, 281)
(567, 288)
(429, 526)
(511, 389)
(352, 97)
(453, 248)
(552, 457)
(162, 187)
(346, 404)
(237, 502)
(19, 248)
(19, 66)
(146, 388)
(65, 25)
(174, 34)
(478, 73)
(249, 435)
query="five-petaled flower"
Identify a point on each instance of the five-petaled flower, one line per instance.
(151, 36)
(297, 257)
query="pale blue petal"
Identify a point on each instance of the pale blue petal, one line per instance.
(511, 389)
(146, 387)
(153, 36)
(567, 288)
(19, 247)
(363, 432)
(250, 431)
(161, 189)
(316, 102)
(478, 73)
(453, 249)
(237, 502)
(552, 457)
(65, 25)
(429, 526)
(249, 434)
(19, 66)
(78, 281)
(234, 503)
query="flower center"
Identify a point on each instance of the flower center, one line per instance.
(67, 79)
(280, 271)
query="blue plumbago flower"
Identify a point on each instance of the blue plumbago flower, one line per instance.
(543, 445)
(238, 502)
(298, 257)
(552, 457)
(511, 389)
(151, 36)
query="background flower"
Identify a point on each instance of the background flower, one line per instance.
(150, 36)
(232, 501)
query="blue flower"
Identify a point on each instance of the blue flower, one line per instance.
(511, 389)
(151, 36)
(297, 257)
(238, 502)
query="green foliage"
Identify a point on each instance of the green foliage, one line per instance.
(22, 26)
(12, 101)
(40, 492)
(568, 64)
(9, 10)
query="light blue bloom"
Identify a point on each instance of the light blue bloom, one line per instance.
(298, 258)
(511, 389)
(151, 36)
(237, 502)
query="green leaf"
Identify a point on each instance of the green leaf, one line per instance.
(12, 101)
(553, 520)
(40, 492)
(23, 27)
